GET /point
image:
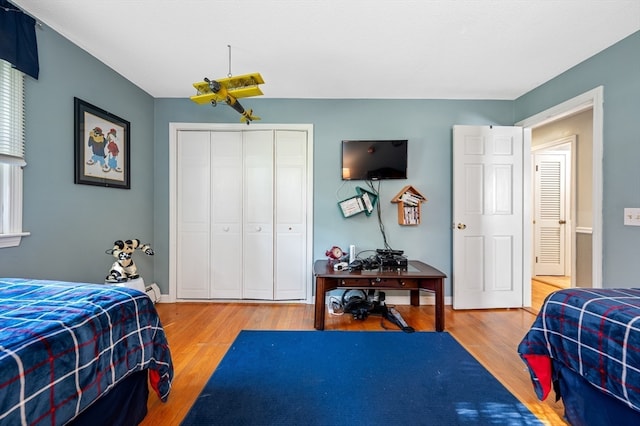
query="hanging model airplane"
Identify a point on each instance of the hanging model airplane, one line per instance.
(228, 90)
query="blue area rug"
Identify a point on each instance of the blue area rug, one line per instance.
(353, 378)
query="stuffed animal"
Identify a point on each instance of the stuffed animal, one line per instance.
(334, 254)
(124, 269)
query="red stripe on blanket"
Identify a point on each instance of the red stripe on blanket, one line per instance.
(540, 370)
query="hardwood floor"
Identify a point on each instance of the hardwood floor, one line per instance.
(199, 335)
(539, 291)
(560, 281)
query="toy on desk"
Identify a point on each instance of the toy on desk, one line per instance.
(335, 254)
(124, 268)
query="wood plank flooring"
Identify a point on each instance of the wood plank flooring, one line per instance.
(199, 335)
(560, 281)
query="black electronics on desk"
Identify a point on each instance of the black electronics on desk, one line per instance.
(384, 259)
(393, 259)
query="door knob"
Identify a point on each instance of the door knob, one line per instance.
(462, 226)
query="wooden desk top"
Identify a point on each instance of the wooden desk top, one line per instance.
(417, 269)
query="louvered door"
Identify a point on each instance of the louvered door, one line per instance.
(551, 214)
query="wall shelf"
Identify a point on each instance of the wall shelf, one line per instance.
(409, 201)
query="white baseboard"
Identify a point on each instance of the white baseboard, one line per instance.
(425, 299)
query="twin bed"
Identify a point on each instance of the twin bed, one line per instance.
(74, 353)
(585, 345)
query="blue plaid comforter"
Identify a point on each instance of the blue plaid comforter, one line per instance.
(594, 332)
(62, 345)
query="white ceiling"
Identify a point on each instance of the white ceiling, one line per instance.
(399, 49)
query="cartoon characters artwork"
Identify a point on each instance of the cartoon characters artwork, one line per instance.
(104, 149)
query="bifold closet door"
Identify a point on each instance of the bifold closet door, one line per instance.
(227, 191)
(258, 244)
(193, 215)
(241, 214)
(291, 213)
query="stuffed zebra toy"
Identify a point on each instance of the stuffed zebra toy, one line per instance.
(124, 268)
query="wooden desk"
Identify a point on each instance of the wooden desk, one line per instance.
(418, 276)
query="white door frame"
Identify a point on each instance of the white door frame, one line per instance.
(570, 191)
(591, 99)
(174, 128)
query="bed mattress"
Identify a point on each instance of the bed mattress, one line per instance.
(63, 345)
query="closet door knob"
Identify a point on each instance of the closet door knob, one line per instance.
(258, 228)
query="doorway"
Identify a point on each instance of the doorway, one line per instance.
(554, 176)
(586, 230)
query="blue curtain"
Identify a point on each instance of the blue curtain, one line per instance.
(18, 44)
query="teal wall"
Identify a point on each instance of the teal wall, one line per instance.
(427, 124)
(72, 225)
(617, 69)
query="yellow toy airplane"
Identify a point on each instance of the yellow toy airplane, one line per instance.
(229, 90)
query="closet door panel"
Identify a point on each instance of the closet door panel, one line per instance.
(258, 215)
(226, 217)
(193, 200)
(290, 220)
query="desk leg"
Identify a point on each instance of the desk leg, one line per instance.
(440, 305)
(318, 321)
(414, 297)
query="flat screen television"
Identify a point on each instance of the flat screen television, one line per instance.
(374, 159)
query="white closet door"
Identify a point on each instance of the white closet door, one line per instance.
(193, 213)
(290, 214)
(258, 215)
(226, 218)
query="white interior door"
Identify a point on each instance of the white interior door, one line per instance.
(551, 213)
(487, 217)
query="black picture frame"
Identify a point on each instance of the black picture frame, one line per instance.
(102, 147)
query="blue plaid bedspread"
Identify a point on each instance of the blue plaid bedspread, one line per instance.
(62, 345)
(594, 332)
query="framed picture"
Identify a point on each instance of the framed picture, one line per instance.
(101, 147)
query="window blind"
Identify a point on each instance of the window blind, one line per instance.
(11, 115)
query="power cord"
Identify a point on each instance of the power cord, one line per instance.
(376, 191)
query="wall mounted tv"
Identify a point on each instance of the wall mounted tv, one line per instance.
(374, 159)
